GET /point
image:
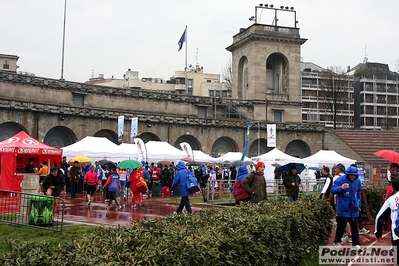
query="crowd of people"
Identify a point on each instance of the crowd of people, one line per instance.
(342, 189)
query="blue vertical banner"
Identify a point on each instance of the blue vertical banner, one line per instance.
(360, 170)
(134, 130)
(121, 128)
(271, 135)
(246, 141)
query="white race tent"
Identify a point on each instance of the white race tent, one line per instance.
(328, 158)
(160, 150)
(231, 156)
(96, 148)
(275, 157)
(128, 151)
(202, 157)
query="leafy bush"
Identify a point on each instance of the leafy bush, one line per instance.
(376, 195)
(271, 233)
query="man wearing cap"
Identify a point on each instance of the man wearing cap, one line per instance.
(291, 183)
(255, 184)
(348, 190)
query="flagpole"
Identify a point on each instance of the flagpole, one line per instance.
(63, 43)
(185, 67)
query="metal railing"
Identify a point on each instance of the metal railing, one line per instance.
(275, 188)
(44, 212)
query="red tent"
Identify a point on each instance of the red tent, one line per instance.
(15, 152)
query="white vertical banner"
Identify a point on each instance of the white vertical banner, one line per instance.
(121, 128)
(134, 130)
(187, 149)
(271, 135)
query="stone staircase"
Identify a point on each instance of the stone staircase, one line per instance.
(361, 144)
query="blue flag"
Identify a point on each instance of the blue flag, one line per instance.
(246, 141)
(183, 39)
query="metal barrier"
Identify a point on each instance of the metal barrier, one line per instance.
(214, 191)
(33, 210)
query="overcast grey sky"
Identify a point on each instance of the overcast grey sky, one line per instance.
(110, 36)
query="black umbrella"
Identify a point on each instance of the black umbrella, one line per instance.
(105, 161)
(193, 163)
(287, 167)
(108, 163)
(238, 163)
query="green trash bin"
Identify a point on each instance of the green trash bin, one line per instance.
(41, 211)
(156, 189)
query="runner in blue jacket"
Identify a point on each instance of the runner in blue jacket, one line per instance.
(181, 180)
(348, 189)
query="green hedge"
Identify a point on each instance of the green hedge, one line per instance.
(377, 194)
(272, 233)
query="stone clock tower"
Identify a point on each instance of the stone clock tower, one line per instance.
(266, 62)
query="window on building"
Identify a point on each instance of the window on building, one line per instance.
(369, 110)
(6, 64)
(202, 111)
(78, 99)
(190, 87)
(211, 93)
(208, 80)
(278, 116)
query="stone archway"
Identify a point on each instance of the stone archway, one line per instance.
(243, 80)
(223, 145)
(107, 133)
(9, 129)
(193, 141)
(276, 74)
(60, 136)
(147, 136)
(298, 148)
(258, 147)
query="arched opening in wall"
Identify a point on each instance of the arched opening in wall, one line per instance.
(258, 147)
(298, 148)
(222, 146)
(9, 129)
(193, 141)
(60, 136)
(242, 79)
(107, 133)
(277, 74)
(147, 136)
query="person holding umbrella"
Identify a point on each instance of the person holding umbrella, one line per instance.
(291, 183)
(137, 186)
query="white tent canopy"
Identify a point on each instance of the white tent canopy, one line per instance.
(160, 150)
(232, 156)
(328, 158)
(202, 157)
(96, 148)
(128, 151)
(276, 156)
(272, 158)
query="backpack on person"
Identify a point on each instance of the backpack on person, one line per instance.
(192, 184)
(239, 193)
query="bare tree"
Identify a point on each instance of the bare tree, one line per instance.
(227, 75)
(334, 92)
